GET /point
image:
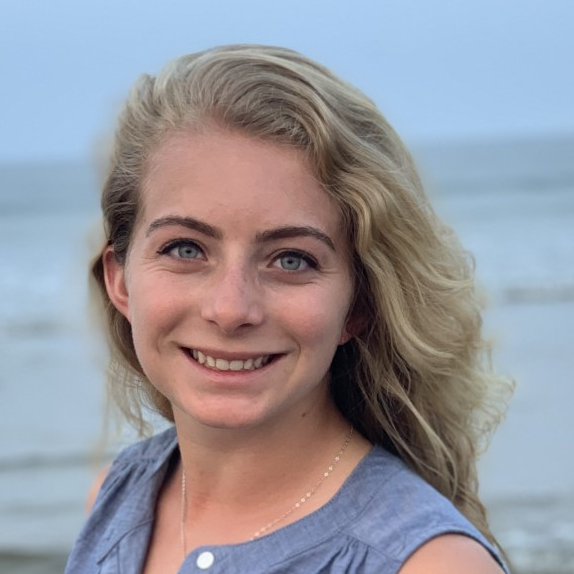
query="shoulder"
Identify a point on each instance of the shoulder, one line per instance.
(409, 522)
(400, 498)
(125, 504)
(95, 488)
(133, 464)
(451, 553)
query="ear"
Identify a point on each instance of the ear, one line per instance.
(352, 328)
(346, 336)
(115, 278)
(354, 325)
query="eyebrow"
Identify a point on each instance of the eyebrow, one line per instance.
(284, 232)
(290, 231)
(189, 222)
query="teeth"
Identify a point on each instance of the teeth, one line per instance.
(235, 365)
(222, 364)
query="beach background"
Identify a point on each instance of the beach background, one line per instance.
(482, 96)
(519, 224)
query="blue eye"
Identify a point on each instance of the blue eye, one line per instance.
(182, 250)
(293, 261)
(186, 251)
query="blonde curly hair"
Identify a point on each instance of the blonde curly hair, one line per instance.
(416, 378)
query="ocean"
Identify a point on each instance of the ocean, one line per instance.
(512, 203)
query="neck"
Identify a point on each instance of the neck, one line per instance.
(243, 483)
(234, 468)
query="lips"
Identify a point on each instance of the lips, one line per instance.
(220, 364)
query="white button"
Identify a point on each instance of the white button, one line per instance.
(205, 560)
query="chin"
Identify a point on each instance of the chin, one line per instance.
(227, 417)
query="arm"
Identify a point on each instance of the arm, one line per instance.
(95, 489)
(451, 554)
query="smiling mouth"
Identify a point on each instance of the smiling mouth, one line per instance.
(218, 364)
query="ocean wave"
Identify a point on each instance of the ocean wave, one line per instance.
(28, 562)
(536, 533)
(526, 294)
(55, 460)
(33, 327)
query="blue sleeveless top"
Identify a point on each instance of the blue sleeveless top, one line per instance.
(379, 517)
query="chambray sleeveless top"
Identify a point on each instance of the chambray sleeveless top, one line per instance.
(379, 517)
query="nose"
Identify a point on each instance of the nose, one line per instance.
(233, 300)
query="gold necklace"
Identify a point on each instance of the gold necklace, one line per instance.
(295, 507)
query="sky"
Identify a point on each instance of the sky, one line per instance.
(439, 70)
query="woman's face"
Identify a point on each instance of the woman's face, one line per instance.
(237, 284)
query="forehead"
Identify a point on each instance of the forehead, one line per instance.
(218, 174)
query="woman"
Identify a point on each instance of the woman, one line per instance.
(277, 285)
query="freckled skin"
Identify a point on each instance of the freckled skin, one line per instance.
(233, 292)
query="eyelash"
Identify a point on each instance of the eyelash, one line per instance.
(298, 254)
(179, 243)
(310, 261)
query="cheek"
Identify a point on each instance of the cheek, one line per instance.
(153, 309)
(318, 322)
